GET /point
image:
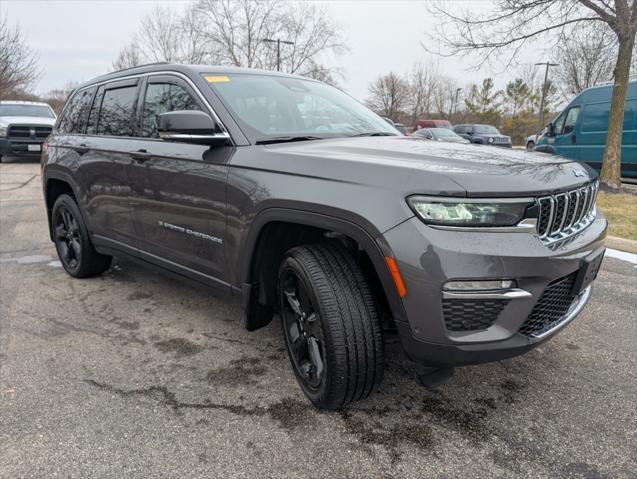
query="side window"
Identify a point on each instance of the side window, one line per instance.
(571, 120)
(559, 123)
(76, 113)
(116, 112)
(160, 98)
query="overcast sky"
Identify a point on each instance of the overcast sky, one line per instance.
(77, 40)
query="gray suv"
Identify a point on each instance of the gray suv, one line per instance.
(304, 206)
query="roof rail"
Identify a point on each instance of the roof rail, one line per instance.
(142, 65)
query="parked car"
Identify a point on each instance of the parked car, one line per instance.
(433, 124)
(439, 134)
(579, 132)
(532, 140)
(302, 205)
(401, 128)
(483, 134)
(24, 125)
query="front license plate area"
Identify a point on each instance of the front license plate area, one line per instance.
(34, 147)
(588, 272)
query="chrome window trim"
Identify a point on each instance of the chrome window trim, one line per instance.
(162, 72)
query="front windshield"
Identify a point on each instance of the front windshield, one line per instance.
(274, 106)
(444, 133)
(488, 129)
(26, 110)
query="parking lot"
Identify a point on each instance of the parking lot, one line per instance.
(133, 375)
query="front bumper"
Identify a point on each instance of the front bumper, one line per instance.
(438, 256)
(15, 147)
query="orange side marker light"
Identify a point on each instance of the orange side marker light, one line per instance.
(395, 274)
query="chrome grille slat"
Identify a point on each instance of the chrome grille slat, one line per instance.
(564, 214)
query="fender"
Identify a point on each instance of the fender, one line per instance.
(545, 148)
(369, 239)
(57, 174)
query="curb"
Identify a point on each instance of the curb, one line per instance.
(621, 244)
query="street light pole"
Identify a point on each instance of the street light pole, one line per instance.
(278, 42)
(455, 102)
(546, 77)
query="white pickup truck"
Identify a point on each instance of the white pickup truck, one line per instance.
(24, 125)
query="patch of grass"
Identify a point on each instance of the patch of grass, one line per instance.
(621, 211)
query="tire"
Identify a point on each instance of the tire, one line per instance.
(72, 241)
(530, 145)
(337, 319)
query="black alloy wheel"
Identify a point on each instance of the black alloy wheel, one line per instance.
(72, 240)
(66, 230)
(302, 329)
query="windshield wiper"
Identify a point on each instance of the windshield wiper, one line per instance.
(374, 133)
(287, 139)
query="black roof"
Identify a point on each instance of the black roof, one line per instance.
(186, 70)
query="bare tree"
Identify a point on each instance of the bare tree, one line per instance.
(18, 63)
(236, 29)
(128, 57)
(444, 96)
(313, 32)
(585, 56)
(166, 36)
(423, 81)
(512, 24)
(388, 96)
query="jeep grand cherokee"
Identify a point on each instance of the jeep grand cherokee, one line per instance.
(299, 202)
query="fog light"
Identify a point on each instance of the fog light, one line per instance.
(479, 285)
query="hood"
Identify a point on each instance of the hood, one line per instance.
(430, 167)
(26, 120)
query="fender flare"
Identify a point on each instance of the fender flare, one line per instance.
(68, 179)
(367, 237)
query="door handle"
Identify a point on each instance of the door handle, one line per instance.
(140, 155)
(81, 148)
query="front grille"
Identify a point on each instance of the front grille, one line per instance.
(471, 314)
(501, 141)
(564, 214)
(29, 132)
(552, 306)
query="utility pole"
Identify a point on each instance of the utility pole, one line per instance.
(278, 42)
(455, 101)
(546, 78)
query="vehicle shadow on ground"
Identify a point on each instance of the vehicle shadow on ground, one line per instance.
(185, 335)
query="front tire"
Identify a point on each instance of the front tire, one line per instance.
(72, 241)
(331, 325)
(530, 145)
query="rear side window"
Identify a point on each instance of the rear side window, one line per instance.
(163, 97)
(116, 116)
(76, 112)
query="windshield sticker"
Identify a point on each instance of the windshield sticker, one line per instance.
(217, 79)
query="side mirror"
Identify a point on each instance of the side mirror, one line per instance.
(190, 126)
(550, 129)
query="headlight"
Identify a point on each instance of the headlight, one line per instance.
(3, 131)
(440, 211)
(491, 139)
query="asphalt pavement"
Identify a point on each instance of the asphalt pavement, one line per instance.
(134, 375)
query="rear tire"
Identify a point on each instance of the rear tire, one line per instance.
(72, 241)
(530, 145)
(331, 325)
